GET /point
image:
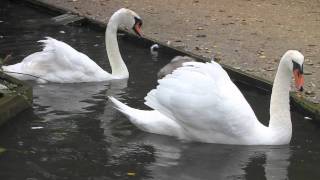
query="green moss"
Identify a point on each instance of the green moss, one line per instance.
(307, 105)
(15, 99)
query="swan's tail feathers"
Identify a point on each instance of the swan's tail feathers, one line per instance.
(12, 68)
(137, 117)
(15, 71)
(48, 43)
(126, 110)
(149, 120)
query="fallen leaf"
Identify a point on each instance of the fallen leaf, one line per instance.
(131, 174)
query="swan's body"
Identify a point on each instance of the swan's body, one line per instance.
(199, 102)
(59, 62)
(174, 64)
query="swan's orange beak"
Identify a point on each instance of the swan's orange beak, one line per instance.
(298, 78)
(137, 28)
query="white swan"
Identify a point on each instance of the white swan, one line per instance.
(59, 62)
(199, 102)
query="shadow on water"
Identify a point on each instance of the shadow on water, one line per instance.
(73, 132)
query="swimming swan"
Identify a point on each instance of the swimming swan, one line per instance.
(59, 62)
(199, 102)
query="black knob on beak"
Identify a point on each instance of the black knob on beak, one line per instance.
(301, 89)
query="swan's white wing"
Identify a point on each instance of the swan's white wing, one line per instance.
(67, 57)
(203, 100)
(58, 62)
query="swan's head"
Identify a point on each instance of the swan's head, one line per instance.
(296, 60)
(129, 19)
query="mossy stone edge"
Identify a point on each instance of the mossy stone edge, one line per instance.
(16, 101)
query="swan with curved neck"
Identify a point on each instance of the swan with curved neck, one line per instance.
(59, 62)
(199, 102)
(280, 119)
(119, 68)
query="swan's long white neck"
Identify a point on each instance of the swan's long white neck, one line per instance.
(280, 119)
(118, 67)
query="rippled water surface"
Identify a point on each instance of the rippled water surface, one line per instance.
(83, 137)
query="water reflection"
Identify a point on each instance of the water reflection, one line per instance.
(60, 100)
(63, 107)
(184, 160)
(154, 52)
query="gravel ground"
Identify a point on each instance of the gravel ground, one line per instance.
(250, 35)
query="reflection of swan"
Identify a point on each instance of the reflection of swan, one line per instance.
(174, 159)
(277, 163)
(218, 162)
(59, 62)
(68, 108)
(57, 101)
(199, 102)
(175, 63)
(52, 99)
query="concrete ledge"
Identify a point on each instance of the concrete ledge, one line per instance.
(301, 104)
(15, 100)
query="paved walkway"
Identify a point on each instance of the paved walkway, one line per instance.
(250, 35)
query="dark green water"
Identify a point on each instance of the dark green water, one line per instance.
(83, 137)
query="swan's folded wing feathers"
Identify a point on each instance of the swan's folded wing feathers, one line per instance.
(201, 96)
(68, 56)
(68, 59)
(57, 62)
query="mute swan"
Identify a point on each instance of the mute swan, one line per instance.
(174, 64)
(199, 102)
(59, 62)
